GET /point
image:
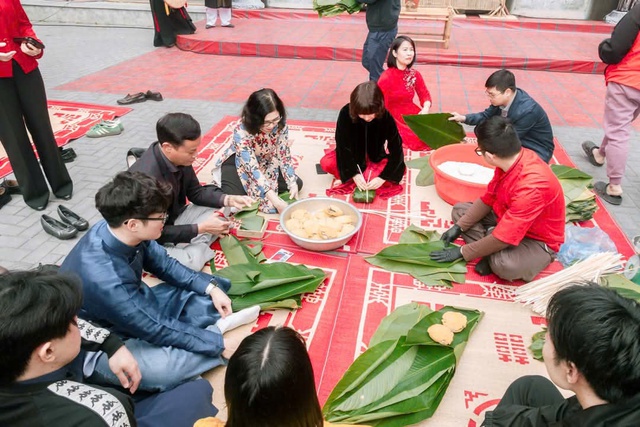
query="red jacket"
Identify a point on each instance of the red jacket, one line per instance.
(528, 201)
(15, 23)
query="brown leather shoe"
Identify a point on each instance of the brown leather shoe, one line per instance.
(11, 186)
(132, 98)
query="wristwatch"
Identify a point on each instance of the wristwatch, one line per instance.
(211, 286)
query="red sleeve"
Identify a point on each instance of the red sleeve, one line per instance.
(421, 90)
(527, 205)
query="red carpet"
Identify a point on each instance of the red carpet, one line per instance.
(70, 120)
(533, 45)
(340, 317)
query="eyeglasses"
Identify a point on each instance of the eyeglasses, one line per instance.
(272, 122)
(492, 95)
(479, 151)
(162, 218)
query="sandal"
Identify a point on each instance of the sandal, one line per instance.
(600, 188)
(588, 148)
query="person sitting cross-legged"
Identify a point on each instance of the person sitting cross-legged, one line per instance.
(592, 348)
(191, 226)
(173, 329)
(517, 226)
(46, 351)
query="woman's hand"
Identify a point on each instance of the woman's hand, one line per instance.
(280, 205)
(375, 183)
(293, 191)
(6, 56)
(360, 182)
(238, 202)
(425, 108)
(27, 49)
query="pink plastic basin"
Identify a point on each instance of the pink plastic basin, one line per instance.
(451, 189)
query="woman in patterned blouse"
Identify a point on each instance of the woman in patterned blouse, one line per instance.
(258, 163)
(400, 84)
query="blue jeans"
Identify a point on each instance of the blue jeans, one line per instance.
(164, 368)
(374, 51)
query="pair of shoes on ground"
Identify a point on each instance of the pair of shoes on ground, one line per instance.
(68, 154)
(600, 187)
(223, 26)
(140, 97)
(68, 226)
(11, 186)
(105, 128)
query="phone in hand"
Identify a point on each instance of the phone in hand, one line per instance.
(33, 42)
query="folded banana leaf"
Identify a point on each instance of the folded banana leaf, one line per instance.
(395, 383)
(435, 130)
(249, 218)
(425, 176)
(622, 285)
(415, 234)
(413, 259)
(333, 7)
(363, 196)
(273, 285)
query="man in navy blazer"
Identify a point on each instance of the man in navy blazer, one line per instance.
(527, 116)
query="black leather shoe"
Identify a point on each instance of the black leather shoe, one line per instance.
(132, 99)
(134, 154)
(11, 186)
(154, 96)
(68, 154)
(73, 219)
(57, 229)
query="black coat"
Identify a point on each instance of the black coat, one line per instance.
(184, 184)
(357, 141)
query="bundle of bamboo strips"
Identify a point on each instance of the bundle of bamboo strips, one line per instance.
(538, 293)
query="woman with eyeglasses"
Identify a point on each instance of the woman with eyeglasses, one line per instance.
(400, 83)
(368, 152)
(258, 162)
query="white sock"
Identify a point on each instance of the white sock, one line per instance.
(240, 318)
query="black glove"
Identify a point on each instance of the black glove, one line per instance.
(451, 234)
(446, 255)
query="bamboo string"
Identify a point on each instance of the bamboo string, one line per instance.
(538, 293)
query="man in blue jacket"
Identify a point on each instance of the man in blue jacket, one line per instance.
(173, 329)
(527, 116)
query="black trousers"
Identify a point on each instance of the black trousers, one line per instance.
(232, 185)
(23, 101)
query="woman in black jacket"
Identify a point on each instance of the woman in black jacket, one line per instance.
(368, 145)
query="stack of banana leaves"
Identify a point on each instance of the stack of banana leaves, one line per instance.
(336, 7)
(402, 377)
(270, 285)
(580, 201)
(411, 256)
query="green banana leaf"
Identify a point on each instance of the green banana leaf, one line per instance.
(418, 334)
(399, 322)
(236, 252)
(622, 285)
(415, 234)
(286, 197)
(394, 384)
(363, 196)
(413, 259)
(567, 172)
(293, 303)
(537, 343)
(425, 177)
(435, 130)
(247, 278)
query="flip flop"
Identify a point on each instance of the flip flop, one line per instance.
(600, 188)
(588, 148)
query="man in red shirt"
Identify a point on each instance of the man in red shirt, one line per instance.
(517, 226)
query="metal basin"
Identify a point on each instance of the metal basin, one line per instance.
(317, 204)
